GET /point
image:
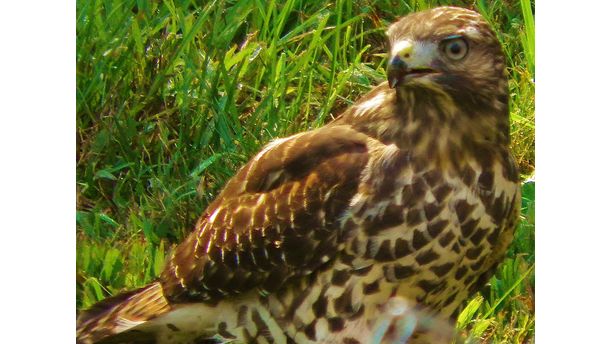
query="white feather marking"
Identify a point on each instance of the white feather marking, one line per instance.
(275, 331)
(321, 329)
(328, 194)
(212, 217)
(358, 198)
(273, 144)
(207, 246)
(437, 14)
(196, 245)
(389, 155)
(201, 231)
(429, 197)
(261, 199)
(370, 104)
(124, 324)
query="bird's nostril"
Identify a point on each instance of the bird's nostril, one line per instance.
(396, 61)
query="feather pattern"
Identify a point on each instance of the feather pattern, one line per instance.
(121, 313)
(275, 219)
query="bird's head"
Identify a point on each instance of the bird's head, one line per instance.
(448, 48)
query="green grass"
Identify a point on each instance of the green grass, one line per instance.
(172, 97)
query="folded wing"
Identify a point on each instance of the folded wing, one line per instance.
(276, 219)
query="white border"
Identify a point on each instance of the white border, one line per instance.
(573, 188)
(37, 171)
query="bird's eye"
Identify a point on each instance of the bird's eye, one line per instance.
(455, 48)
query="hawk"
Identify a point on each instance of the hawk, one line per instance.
(407, 200)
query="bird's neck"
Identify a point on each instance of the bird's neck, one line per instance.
(429, 121)
(437, 124)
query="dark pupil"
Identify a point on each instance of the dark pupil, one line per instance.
(455, 48)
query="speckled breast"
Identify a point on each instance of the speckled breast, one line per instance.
(427, 235)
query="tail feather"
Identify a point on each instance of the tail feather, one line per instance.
(121, 313)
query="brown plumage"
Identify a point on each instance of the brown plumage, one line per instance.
(409, 198)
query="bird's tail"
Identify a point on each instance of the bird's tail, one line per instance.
(120, 313)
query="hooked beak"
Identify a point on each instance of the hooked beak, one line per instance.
(399, 71)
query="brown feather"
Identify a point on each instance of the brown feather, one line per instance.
(121, 312)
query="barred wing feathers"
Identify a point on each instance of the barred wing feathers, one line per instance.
(122, 313)
(277, 218)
